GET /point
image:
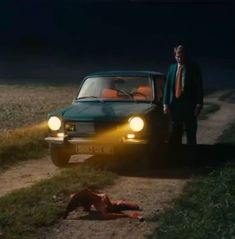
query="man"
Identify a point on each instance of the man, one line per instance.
(183, 97)
(106, 208)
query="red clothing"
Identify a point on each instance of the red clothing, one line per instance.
(108, 209)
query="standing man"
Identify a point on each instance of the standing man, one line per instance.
(183, 97)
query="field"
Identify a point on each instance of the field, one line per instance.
(24, 105)
(23, 116)
(23, 110)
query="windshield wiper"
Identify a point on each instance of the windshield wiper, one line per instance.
(87, 97)
(125, 93)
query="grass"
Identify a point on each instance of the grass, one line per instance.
(27, 211)
(206, 209)
(21, 133)
(22, 144)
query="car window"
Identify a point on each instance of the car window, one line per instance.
(117, 88)
(91, 87)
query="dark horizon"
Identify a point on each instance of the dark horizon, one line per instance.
(63, 40)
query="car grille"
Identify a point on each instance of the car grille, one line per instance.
(90, 129)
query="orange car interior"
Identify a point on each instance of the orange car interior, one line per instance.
(145, 93)
(109, 93)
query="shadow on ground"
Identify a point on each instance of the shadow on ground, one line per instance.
(182, 162)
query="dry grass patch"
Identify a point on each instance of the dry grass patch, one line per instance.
(27, 211)
(23, 108)
(22, 144)
(23, 105)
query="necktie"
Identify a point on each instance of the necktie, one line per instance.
(178, 84)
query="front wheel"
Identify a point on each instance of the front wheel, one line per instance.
(59, 156)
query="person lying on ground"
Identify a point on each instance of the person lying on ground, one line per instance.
(106, 208)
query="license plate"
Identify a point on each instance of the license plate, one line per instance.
(95, 149)
(85, 128)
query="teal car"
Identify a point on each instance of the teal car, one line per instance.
(113, 113)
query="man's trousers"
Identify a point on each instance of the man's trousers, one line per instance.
(182, 118)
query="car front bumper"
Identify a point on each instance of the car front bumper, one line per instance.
(78, 140)
(79, 145)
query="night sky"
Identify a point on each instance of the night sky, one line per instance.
(65, 39)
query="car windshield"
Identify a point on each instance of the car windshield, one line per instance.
(117, 88)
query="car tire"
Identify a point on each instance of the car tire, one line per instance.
(59, 156)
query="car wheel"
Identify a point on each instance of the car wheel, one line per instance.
(59, 156)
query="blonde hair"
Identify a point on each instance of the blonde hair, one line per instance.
(179, 48)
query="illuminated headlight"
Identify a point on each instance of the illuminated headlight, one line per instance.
(136, 124)
(54, 123)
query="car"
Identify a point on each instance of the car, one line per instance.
(114, 113)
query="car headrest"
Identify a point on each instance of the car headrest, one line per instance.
(109, 93)
(145, 92)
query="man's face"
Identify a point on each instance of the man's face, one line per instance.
(179, 57)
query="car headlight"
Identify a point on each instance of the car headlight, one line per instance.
(136, 124)
(54, 123)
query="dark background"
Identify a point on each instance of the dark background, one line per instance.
(63, 40)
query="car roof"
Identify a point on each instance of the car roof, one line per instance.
(125, 73)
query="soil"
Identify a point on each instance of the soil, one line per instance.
(23, 105)
(153, 194)
(25, 174)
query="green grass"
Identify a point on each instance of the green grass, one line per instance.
(206, 209)
(24, 212)
(22, 144)
(27, 211)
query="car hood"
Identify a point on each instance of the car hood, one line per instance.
(95, 111)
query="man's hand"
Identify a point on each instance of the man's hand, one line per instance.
(166, 109)
(197, 110)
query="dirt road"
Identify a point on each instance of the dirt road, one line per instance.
(152, 194)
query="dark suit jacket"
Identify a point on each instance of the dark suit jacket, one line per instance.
(193, 88)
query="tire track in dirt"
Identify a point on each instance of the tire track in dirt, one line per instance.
(211, 129)
(25, 174)
(152, 194)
